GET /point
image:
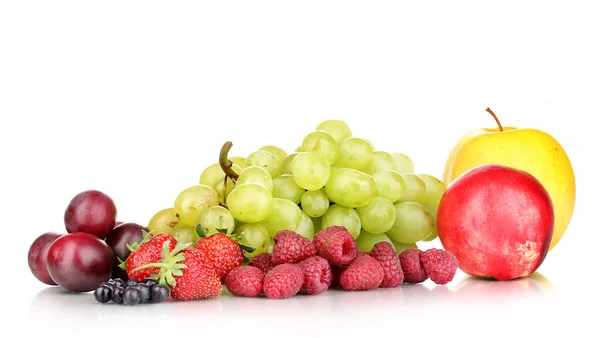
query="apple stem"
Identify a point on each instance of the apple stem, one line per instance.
(495, 118)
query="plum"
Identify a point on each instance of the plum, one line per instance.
(79, 262)
(125, 234)
(36, 257)
(92, 212)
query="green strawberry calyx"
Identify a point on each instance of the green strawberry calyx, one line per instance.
(146, 237)
(170, 264)
(237, 237)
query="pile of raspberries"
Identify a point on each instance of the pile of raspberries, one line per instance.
(298, 265)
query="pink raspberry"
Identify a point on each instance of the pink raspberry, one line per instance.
(283, 281)
(386, 255)
(244, 281)
(336, 272)
(290, 247)
(440, 265)
(263, 261)
(338, 247)
(321, 237)
(364, 273)
(411, 266)
(317, 275)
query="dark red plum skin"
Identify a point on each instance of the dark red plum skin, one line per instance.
(37, 255)
(79, 262)
(92, 212)
(123, 234)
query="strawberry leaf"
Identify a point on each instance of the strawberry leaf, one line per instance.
(200, 231)
(222, 231)
(246, 248)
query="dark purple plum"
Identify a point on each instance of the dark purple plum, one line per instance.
(92, 212)
(37, 255)
(123, 235)
(80, 262)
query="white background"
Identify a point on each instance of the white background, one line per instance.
(136, 98)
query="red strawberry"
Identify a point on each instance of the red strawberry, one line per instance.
(223, 252)
(146, 252)
(187, 272)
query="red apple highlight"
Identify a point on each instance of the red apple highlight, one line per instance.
(498, 222)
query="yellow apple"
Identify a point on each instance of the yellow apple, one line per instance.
(531, 150)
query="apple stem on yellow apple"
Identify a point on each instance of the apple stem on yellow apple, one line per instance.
(495, 118)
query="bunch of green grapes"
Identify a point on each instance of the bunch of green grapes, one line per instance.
(332, 178)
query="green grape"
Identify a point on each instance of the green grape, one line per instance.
(213, 173)
(413, 223)
(415, 189)
(401, 247)
(306, 227)
(321, 142)
(240, 161)
(434, 233)
(217, 218)
(285, 186)
(404, 164)
(255, 235)
(389, 184)
(371, 143)
(190, 203)
(350, 188)
(278, 152)
(221, 191)
(355, 153)
(186, 235)
(340, 215)
(258, 175)
(310, 170)
(286, 166)
(265, 159)
(434, 189)
(164, 221)
(378, 216)
(250, 202)
(381, 160)
(337, 128)
(315, 203)
(367, 240)
(316, 223)
(298, 149)
(285, 215)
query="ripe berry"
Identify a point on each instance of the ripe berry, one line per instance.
(117, 295)
(411, 266)
(317, 275)
(386, 255)
(245, 281)
(144, 292)
(283, 281)
(338, 246)
(364, 273)
(159, 293)
(131, 296)
(263, 261)
(103, 294)
(440, 265)
(290, 247)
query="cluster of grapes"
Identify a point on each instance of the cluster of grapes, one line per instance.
(333, 178)
(131, 292)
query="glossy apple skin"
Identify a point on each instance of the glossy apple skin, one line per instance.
(498, 222)
(79, 262)
(37, 255)
(92, 212)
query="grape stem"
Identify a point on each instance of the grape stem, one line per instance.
(495, 118)
(226, 163)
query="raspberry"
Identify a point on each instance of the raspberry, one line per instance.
(245, 281)
(263, 261)
(336, 272)
(338, 248)
(290, 247)
(317, 275)
(364, 273)
(440, 265)
(321, 237)
(386, 255)
(283, 281)
(411, 266)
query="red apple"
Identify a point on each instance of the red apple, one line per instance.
(498, 222)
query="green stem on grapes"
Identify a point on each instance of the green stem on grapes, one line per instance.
(495, 118)
(225, 163)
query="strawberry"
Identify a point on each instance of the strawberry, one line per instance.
(187, 272)
(221, 250)
(145, 252)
